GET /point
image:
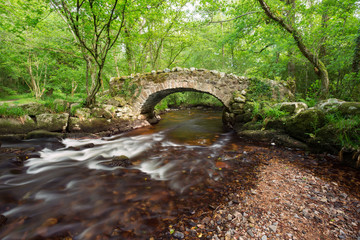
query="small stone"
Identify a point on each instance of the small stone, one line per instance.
(250, 232)
(215, 72)
(342, 235)
(3, 220)
(166, 70)
(153, 72)
(178, 235)
(206, 220)
(215, 237)
(273, 228)
(192, 69)
(251, 219)
(230, 217)
(264, 237)
(344, 195)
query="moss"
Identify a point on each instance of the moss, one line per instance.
(305, 123)
(158, 78)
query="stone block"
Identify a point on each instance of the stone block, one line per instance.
(52, 122)
(18, 125)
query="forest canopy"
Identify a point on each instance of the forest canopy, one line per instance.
(71, 48)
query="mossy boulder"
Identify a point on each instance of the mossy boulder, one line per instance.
(101, 113)
(272, 136)
(239, 98)
(305, 123)
(275, 124)
(252, 126)
(33, 108)
(237, 108)
(350, 108)
(292, 107)
(82, 113)
(90, 125)
(19, 125)
(52, 122)
(116, 101)
(330, 105)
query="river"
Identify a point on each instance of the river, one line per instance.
(182, 165)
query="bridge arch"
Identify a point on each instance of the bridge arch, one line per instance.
(148, 89)
(152, 87)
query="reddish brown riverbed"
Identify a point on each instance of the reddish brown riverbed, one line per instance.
(189, 179)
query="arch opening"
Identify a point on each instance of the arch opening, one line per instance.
(163, 97)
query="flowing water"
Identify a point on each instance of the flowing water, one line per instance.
(66, 189)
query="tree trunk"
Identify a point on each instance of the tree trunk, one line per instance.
(314, 59)
(356, 60)
(91, 98)
(116, 65)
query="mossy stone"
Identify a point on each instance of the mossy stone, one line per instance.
(305, 123)
(350, 108)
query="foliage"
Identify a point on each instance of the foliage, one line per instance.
(13, 111)
(229, 36)
(259, 89)
(346, 129)
(188, 99)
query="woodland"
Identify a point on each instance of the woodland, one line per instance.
(69, 49)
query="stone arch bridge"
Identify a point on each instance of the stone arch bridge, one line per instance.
(148, 89)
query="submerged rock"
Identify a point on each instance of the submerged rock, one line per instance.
(3, 220)
(119, 161)
(42, 134)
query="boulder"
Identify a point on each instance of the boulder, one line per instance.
(23, 124)
(61, 105)
(305, 123)
(350, 108)
(52, 122)
(33, 108)
(239, 98)
(82, 113)
(330, 105)
(101, 113)
(237, 108)
(272, 136)
(292, 107)
(90, 125)
(116, 101)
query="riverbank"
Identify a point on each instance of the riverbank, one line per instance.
(285, 195)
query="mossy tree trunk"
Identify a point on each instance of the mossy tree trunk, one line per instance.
(319, 66)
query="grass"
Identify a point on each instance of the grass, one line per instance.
(347, 129)
(11, 111)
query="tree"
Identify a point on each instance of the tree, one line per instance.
(97, 26)
(313, 58)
